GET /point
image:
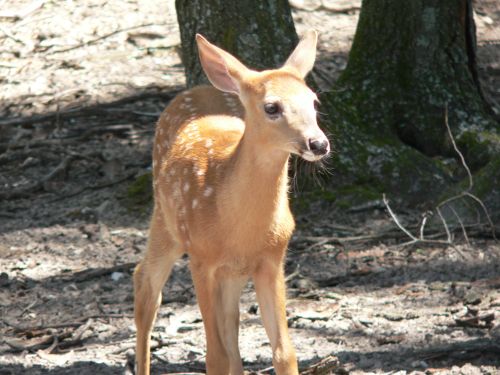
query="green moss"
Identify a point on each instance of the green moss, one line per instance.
(140, 193)
(487, 180)
(478, 147)
(354, 195)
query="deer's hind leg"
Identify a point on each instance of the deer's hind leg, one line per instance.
(149, 278)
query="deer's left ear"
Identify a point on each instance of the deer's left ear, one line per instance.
(302, 58)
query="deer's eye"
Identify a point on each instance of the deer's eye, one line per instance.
(273, 110)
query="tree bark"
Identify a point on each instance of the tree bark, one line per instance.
(261, 33)
(409, 61)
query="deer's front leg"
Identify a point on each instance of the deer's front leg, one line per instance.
(270, 287)
(218, 298)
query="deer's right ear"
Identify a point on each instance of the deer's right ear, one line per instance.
(222, 69)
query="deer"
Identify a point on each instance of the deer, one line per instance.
(220, 178)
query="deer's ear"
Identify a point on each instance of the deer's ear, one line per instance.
(222, 69)
(302, 58)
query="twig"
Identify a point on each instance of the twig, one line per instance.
(95, 272)
(28, 190)
(463, 194)
(422, 226)
(445, 225)
(467, 192)
(414, 239)
(395, 218)
(93, 41)
(10, 36)
(480, 202)
(460, 155)
(95, 187)
(326, 366)
(26, 11)
(461, 225)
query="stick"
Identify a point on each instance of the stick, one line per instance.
(28, 190)
(94, 273)
(395, 218)
(23, 12)
(460, 155)
(88, 110)
(93, 41)
(461, 225)
(95, 187)
(467, 192)
(10, 36)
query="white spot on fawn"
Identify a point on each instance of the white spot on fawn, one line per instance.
(208, 191)
(209, 143)
(195, 203)
(186, 187)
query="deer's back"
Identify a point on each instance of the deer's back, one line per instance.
(195, 136)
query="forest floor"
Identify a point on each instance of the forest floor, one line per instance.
(82, 86)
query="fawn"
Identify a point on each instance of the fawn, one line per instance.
(220, 176)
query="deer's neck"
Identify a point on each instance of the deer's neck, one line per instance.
(256, 184)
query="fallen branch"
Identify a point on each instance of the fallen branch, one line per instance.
(24, 192)
(11, 36)
(88, 110)
(95, 187)
(93, 273)
(15, 15)
(93, 41)
(326, 366)
(463, 349)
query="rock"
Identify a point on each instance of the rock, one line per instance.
(419, 364)
(186, 328)
(393, 316)
(308, 5)
(116, 276)
(472, 298)
(469, 369)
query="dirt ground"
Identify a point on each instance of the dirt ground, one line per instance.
(95, 75)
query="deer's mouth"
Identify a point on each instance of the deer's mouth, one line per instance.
(310, 156)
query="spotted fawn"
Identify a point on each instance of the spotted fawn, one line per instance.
(220, 176)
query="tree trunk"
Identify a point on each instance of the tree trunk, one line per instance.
(260, 33)
(409, 61)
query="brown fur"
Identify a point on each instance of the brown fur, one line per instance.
(220, 186)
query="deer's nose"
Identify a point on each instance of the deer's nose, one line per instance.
(319, 146)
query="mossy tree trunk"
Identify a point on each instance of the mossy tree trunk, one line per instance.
(409, 61)
(260, 33)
